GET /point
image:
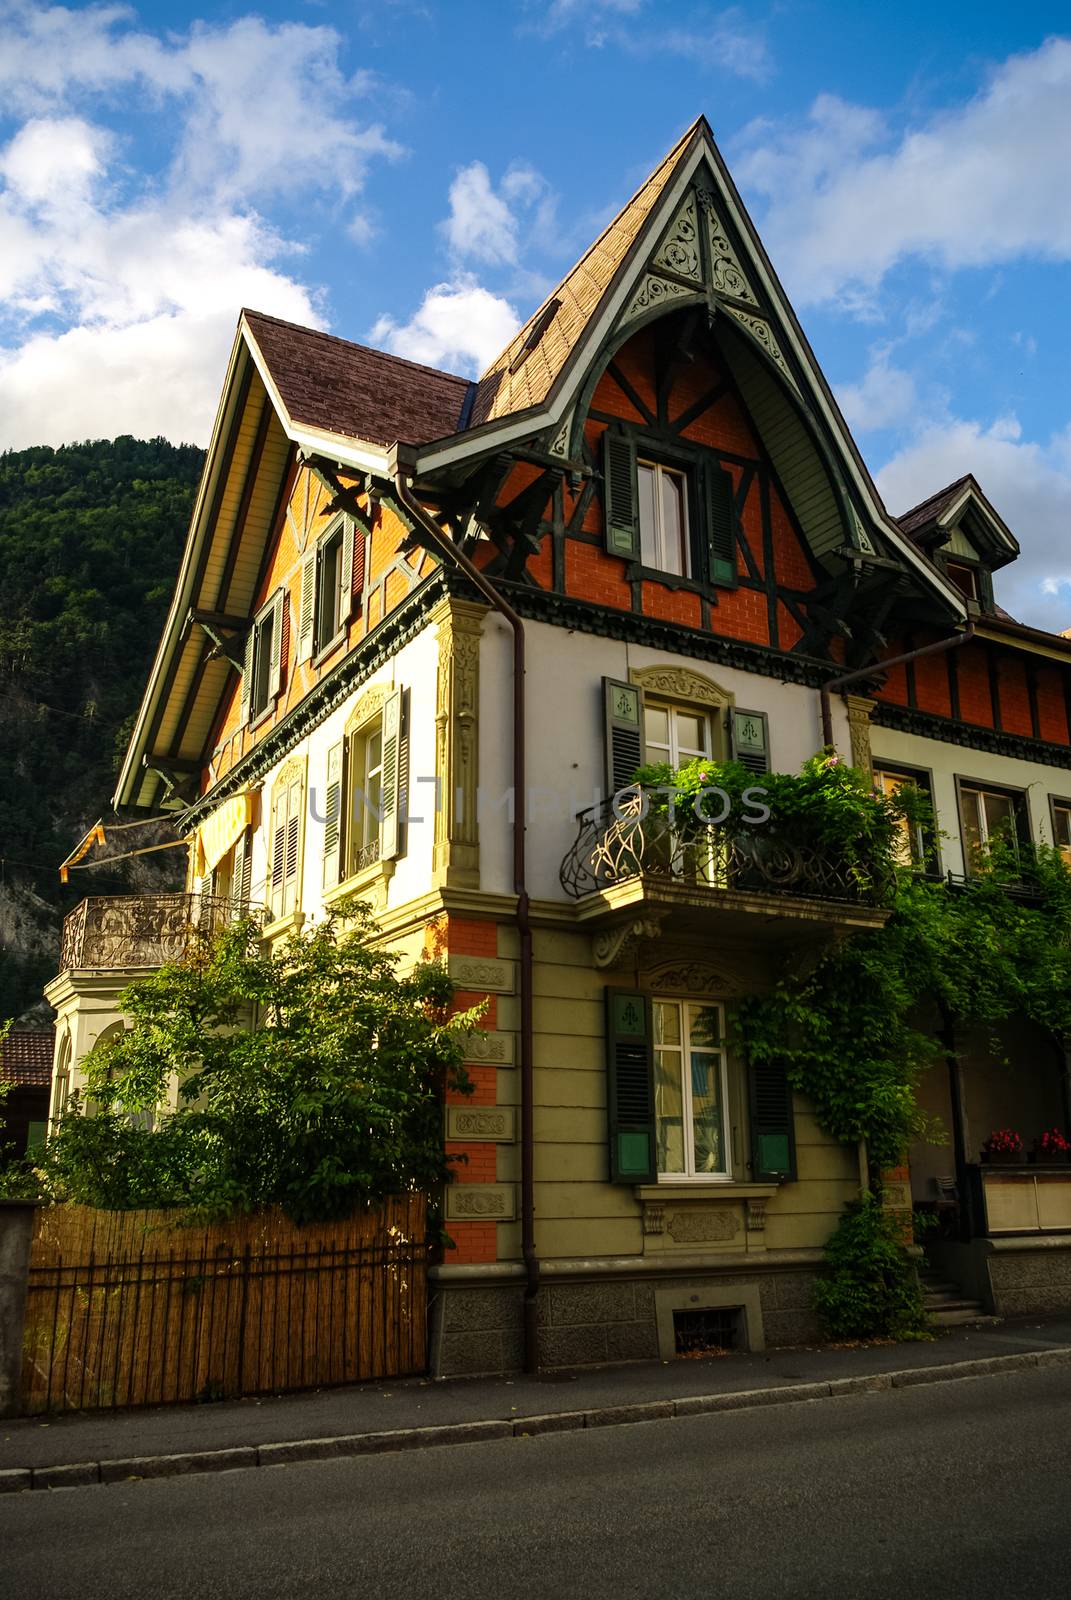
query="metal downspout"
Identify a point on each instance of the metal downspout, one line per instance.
(826, 691)
(399, 461)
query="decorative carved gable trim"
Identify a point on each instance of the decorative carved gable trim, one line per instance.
(761, 330)
(726, 273)
(679, 250)
(652, 292)
(367, 706)
(681, 683)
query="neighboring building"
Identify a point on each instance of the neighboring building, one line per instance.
(656, 476)
(26, 1073)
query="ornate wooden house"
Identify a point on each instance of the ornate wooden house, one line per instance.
(408, 599)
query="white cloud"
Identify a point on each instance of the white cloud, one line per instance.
(486, 225)
(141, 277)
(1028, 483)
(55, 162)
(982, 184)
(480, 221)
(885, 396)
(560, 13)
(459, 326)
(157, 376)
(725, 41)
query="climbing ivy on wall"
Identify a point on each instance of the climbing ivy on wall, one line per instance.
(857, 1032)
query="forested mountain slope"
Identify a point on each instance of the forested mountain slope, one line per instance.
(90, 540)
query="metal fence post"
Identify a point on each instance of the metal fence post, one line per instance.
(16, 1231)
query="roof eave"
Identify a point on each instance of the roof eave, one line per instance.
(130, 773)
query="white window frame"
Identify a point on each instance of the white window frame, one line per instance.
(367, 825)
(913, 834)
(973, 788)
(675, 711)
(1058, 807)
(685, 1008)
(659, 564)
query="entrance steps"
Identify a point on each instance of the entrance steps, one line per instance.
(945, 1304)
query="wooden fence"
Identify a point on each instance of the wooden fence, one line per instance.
(126, 1308)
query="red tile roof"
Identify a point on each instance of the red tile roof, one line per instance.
(26, 1058)
(345, 388)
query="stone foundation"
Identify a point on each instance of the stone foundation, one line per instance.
(609, 1316)
(1021, 1276)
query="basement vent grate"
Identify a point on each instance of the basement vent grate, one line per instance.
(706, 1329)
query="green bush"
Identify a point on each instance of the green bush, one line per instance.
(309, 1076)
(869, 1288)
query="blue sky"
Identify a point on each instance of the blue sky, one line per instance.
(419, 173)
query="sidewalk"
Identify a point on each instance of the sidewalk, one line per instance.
(338, 1421)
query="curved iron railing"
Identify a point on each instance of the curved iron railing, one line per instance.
(142, 930)
(625, 838)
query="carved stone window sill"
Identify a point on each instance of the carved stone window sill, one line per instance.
(706, 1189)
(371, 881)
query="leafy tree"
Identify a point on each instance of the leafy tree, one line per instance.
(309, 1076)
(90, 540)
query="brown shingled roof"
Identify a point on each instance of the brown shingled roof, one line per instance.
(511, 384)
(26, 1058)
(339, 387)
(928, 511)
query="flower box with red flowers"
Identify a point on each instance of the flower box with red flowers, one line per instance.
(1051, 1149)
(1004, 1147)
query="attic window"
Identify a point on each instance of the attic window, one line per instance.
(965, 579)
(539, 328)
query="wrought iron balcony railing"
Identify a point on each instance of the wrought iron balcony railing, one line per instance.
(142, 930)
(628, 839)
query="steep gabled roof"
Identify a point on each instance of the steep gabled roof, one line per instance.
(337, 387)
(520, 379)
(929, 523)
(930, 510)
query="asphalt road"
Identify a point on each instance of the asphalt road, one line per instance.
(957, 1489)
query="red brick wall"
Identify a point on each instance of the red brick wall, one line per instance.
(472, 1241)
(592, 574)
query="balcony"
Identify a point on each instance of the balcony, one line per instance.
(630, 858)
(119, 932)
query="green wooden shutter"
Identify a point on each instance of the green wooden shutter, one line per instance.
(749, 739)
(625, 748)
(307, 622)
(345, 570)
(333, 816)
(773, 1133)
(620, 498)
(247, 672)
(721, 526)
(392, 729)
(630, 1087)
(275, 669)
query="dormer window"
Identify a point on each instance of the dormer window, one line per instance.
(964, 578)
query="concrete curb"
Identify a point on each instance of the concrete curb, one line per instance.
(133, 1468)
